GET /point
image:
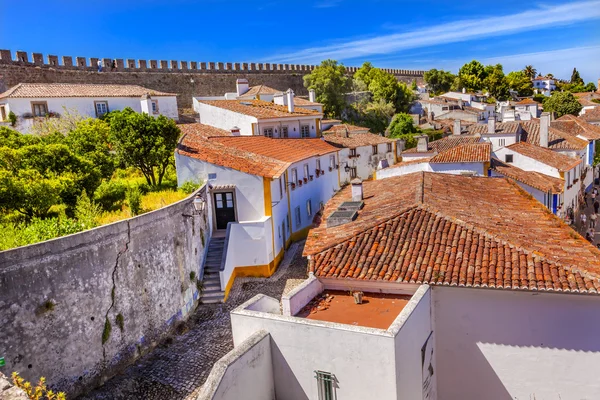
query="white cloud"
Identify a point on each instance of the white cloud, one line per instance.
(452, 32)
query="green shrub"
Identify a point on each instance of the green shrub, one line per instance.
(134, 200)
(110, 194)
(87, 212)
(37, 230)
(12, 118)
(189, 187)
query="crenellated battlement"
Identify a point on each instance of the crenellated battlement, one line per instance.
(22, 58)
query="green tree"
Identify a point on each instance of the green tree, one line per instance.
(472, 75)
(519, 81)
(495, 82)
(89, 139)
(576, 78)
(144, 142)
(439, 81)
(28, 192)
(529, 72)
(590, 87)
(364, 73)
(401, 124)
(375, 115)
(384, 87)
(562, 103)
(86, 211)
(330, 82)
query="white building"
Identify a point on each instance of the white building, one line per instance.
(544, 85)
(32, 101)
(499, 134)
(260, 118)
(460, 303)
(264, 193)
(361, 153)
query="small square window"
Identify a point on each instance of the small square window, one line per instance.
(502, 142)
(305, 131)
(352, 152)
(268, 132)
(374, 149)
(325, 385)
(508, 158)
(389, 148)
(101, 108)
(284, 132)
(154, 106)
(39, 108)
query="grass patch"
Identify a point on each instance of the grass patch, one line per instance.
(150, 202)
(120, 321)
(106, 331)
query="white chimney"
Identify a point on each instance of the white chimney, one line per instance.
(241, 86)
(235, 131)
(290, 100)
(312, 97)
(357, 189)
(146, 104)
(464, 90)
(544, 129)
(460, 103)
(491, 125)
(422, 144)
(280, 99)
(456, 128)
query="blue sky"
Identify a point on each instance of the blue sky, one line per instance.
(553, 36)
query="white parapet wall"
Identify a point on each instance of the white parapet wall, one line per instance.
(301, 295)
(246, 372)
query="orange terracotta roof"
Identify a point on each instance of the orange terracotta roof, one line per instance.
(255, 155)
(527, 101)
(303, 102)
(502, 128)
(260, 89)
(331, 121)
(465, 153)
(592, 115)
(576, 126)
(27, 90)
(530, 133)
(534, 179)
(546, 156)
(441, 229)
(354, 140)
(410, 161)
(259, 109)
(587, 103)
(446, 143)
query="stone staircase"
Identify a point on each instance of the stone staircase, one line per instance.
(212, 292)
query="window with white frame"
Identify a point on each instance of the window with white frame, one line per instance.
(318, 162)
(284, 132)
(154, 106)
(39, 108)
(306, 173)
(294, 175)
(502, 142)
(3, 115)
(305, 131)
(101, 108)
(298, 217)
(268, 132)
(332, 162)
(309, 208)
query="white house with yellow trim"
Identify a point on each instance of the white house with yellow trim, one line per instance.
(264, 193)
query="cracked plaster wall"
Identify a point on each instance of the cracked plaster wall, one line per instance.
(56, 296)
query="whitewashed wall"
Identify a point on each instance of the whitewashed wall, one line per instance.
(167, 106)
(495, 140)
(403, 170)
(498, 344)
(526, 163)
(224, 119)
(293, 125)
(366, 163)
(279, 206)
(459, 168)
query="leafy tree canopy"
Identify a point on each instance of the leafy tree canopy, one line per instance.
(439, 81)
(495, 82)
(330, 82)
(529, 72)
(144, 142)
(562, 103)
(472, 75)
(576, 78)
(519, 81)
(401, 124)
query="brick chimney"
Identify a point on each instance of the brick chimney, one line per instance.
(491, 125)
(241, 86)
(235, 131)
(544, 129)
(290, 100)
(312, 97)
(357, 189)
(456, 128)
(422, 144)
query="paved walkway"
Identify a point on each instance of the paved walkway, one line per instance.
(177, 369)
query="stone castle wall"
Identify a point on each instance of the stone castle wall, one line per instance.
(80, 308)
(185, 78)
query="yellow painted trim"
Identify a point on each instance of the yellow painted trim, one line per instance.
(318, 127)
(374, 175)
(253, 128)
(288, 242)
(288, 223)
(267, 197)
(264, 270)
(395, 152)
(338, 169)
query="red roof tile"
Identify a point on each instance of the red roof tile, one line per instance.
(260, 109)
(534, 179)
(465, 153)
(27, 90)
(443, 230)
(556, 140)
(502, 128)
(446, 143)
(576, 126)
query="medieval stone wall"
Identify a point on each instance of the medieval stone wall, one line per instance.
(185, 78)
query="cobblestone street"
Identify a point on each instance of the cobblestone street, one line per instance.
(177, 368)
